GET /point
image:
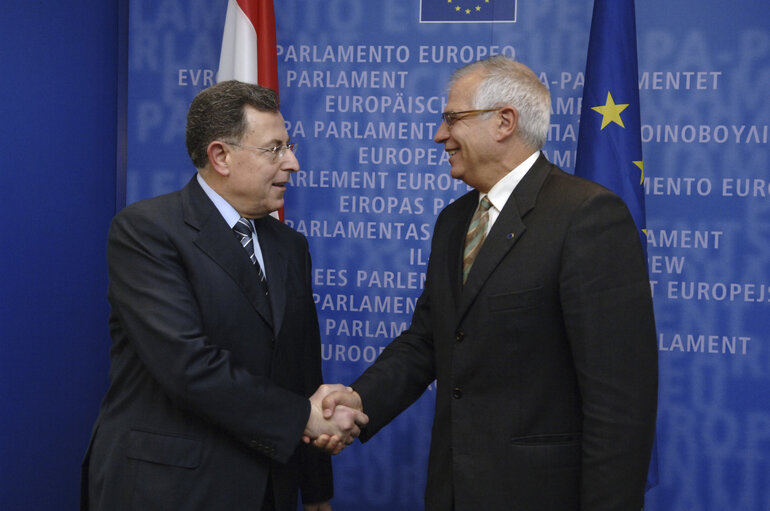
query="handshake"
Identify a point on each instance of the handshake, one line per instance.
(336, 418)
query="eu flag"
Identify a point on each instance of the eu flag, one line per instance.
(609, 147)
(467, 11)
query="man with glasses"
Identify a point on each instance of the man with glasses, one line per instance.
(536, 321)
(215, 339)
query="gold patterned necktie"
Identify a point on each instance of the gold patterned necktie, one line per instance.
(477, 232)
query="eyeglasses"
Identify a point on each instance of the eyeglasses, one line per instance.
(275, 153)
(452, 117)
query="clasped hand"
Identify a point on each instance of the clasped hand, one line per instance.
(333, 427)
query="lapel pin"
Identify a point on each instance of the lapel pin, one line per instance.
(510, 236)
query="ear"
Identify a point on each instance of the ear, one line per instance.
(219, 157)
(507, 121)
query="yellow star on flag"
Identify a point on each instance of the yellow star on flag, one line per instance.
(640, 164)
(610, 112)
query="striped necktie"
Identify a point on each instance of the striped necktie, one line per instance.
(477, 232)
(243, 230)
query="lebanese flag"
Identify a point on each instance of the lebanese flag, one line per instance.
(248, 46)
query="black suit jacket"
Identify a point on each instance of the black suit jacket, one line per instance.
(208, 390)
(545, 360)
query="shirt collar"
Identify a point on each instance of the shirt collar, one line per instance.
(498, 195)
(228, 212)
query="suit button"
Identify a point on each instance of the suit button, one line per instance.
(459, 336)
(457, 393)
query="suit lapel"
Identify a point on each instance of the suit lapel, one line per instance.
(216, 239)
(505, 232)
(276, 264)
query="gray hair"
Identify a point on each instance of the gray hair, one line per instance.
(218, 113)
(510, 83)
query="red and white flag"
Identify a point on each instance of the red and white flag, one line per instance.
(248, 46)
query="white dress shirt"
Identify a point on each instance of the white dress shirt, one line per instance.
(498, 195)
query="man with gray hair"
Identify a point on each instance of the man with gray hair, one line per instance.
(536, 321)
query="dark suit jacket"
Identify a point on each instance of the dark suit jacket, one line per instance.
(545, 361)
(207, 391)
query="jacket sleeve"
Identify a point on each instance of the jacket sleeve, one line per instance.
(316, 483)
(406, 367)
(607, 307)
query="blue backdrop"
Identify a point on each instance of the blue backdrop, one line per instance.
(58, 138)
(362, 87)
